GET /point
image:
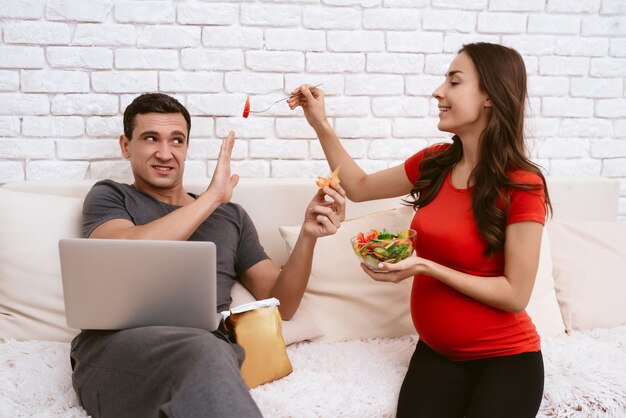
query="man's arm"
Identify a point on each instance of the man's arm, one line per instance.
(181, 223)
(288, 284)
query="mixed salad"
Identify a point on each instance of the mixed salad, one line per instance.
(376, 246)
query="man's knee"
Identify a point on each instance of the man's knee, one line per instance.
(205, 350)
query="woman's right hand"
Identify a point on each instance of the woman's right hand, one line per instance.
(312, 102)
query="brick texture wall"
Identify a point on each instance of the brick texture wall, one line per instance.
(68, 68)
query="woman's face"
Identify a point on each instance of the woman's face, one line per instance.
(463, 107)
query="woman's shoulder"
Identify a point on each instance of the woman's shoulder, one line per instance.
(413, 163)
(429, 150)
(526, 177)
(436, 148)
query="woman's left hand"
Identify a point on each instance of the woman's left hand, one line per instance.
(399, 271)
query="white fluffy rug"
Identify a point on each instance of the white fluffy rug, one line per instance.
(585, 377)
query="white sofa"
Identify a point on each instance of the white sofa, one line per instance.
(352, 338)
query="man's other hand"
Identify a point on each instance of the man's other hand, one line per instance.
(323, 217)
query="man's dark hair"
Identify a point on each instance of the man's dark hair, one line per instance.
(153, 103)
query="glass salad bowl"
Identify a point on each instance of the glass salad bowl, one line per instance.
(377, 246)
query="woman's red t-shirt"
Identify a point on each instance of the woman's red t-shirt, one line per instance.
(451, 323)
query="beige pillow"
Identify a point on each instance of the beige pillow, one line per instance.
(301, 327)
(543, 306)
(31, 293)
(344, 301)
(590, 272)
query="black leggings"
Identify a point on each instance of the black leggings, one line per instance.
(498, 387)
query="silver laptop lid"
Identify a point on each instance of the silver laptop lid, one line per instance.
(118, 284)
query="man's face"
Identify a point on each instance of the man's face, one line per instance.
(157, 150)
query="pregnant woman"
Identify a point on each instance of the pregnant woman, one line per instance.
(480, 209)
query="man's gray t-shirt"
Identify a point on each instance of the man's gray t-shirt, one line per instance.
(229, 227)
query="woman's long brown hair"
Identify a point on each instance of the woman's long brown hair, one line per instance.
(502, 76)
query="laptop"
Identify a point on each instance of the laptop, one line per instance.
(117, 284)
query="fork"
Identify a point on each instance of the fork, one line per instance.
(280, 100)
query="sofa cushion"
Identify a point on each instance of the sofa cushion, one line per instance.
(31, 293)
(589, 272)
(301, 326)
(345, 302)
(543, 306)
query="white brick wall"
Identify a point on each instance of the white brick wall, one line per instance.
(80, 57)
(19, 57)
(68, 68)
(20, 9)
(78, 10)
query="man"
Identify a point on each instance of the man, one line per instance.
(175, 371)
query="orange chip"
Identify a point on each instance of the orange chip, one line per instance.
(325, 181)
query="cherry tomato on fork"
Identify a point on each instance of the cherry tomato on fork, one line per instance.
(246, 108)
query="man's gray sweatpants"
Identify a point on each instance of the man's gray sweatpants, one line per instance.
(159, 372)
